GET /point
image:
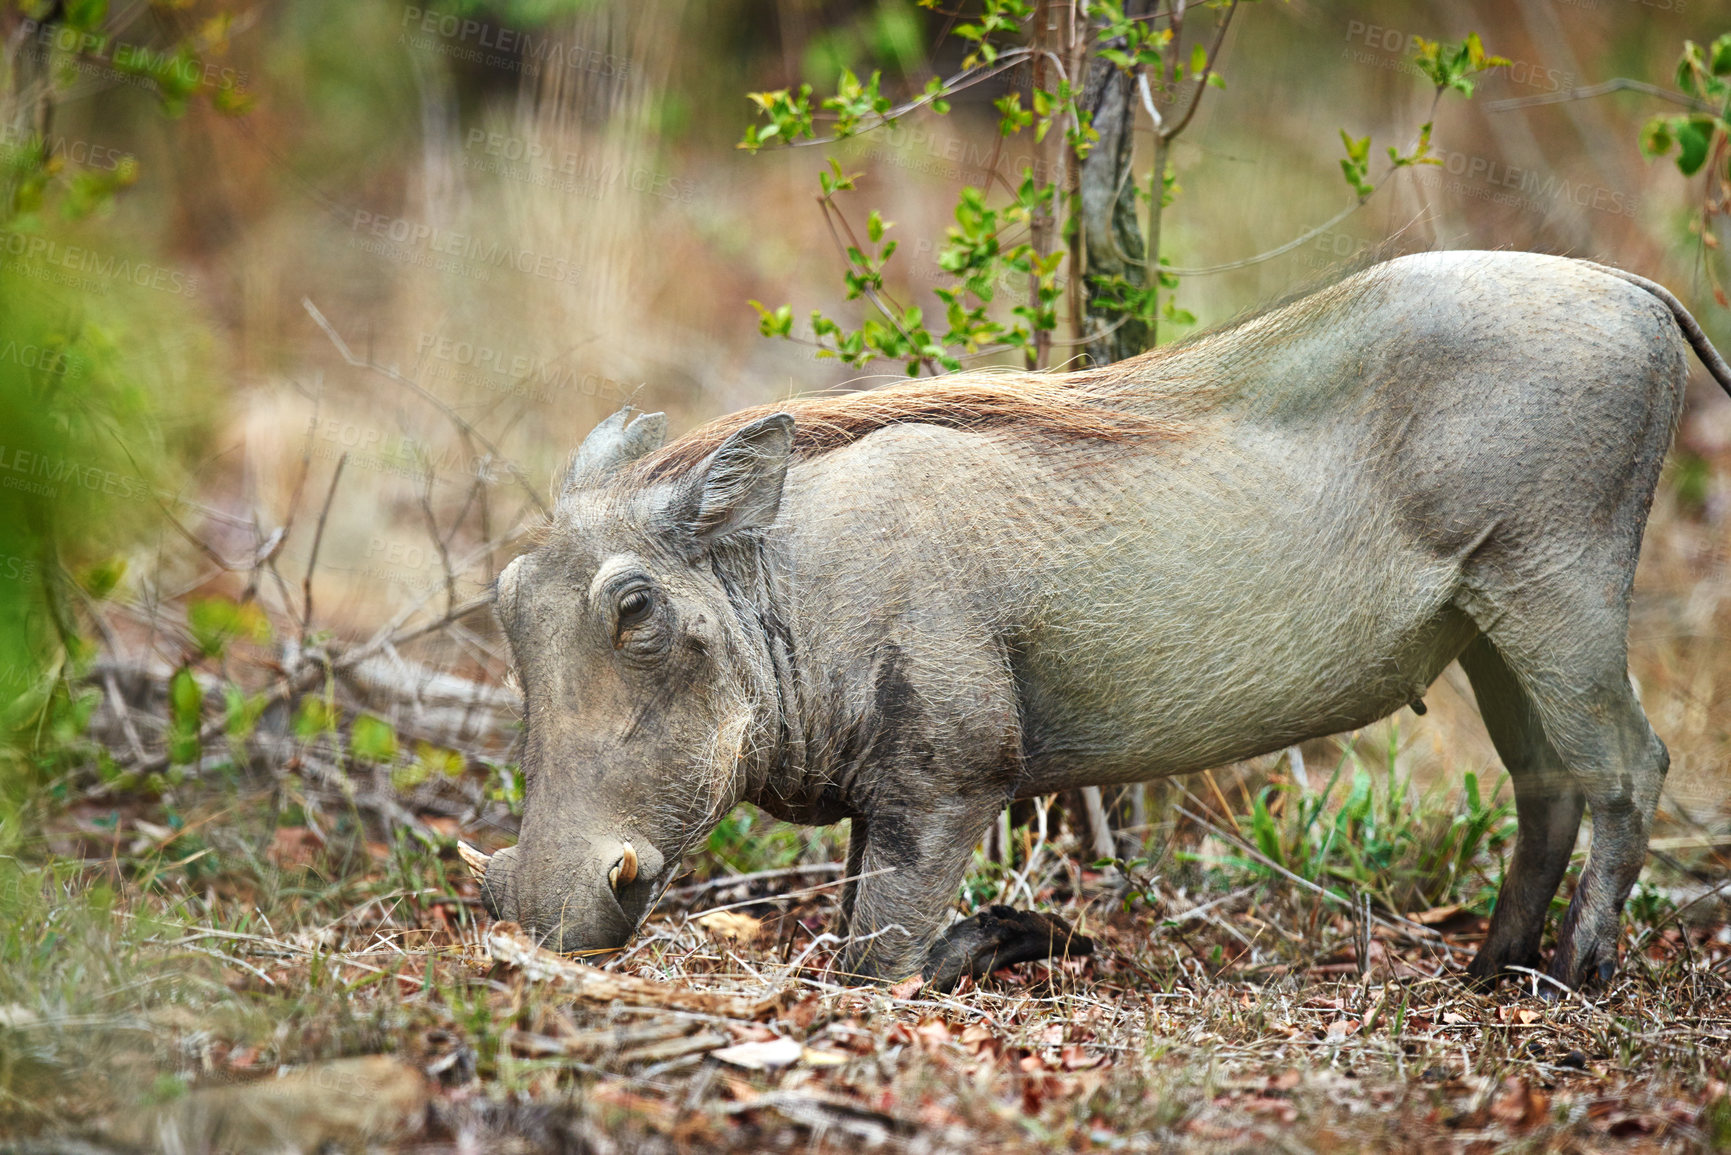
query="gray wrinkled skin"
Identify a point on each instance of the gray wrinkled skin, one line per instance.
(1450, 456)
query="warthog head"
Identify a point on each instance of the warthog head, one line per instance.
(648, 687)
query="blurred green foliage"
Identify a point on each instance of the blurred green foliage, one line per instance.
(99, 336)
(1701, 138)
(1018, 249)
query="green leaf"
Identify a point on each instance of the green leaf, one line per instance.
(214, 622)
(1477, 58)
(1689, 68)
(1450, 66)
(1266, 832)
(100, 579)
(85, 15)
(185, 699)
(1012, 117)
(776, 323)
(408, 776)
(440, 760)
(1198, 59)
(186, 705)
(1656, 138)
(231, 100)
(1719, 56)
(314, 718)
(789, 115)
(243, 710)
(1694, 134)
(372, 739)
(875, 226)
(934, 92)
(1355, 164)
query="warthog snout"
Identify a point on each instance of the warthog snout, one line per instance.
(592, 904)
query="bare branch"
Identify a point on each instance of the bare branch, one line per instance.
(264, 553)
(313, 558)
(1619, 84)
(455, 613)
(439, 541)
(463, 427)
(1202, 83)
(1280, 251)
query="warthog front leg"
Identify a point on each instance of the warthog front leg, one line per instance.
(900, 890)
(908, 872)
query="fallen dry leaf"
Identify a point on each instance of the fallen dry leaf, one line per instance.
(1518, 1104)
(750, 1033)
(294, 846)
(813, 1057)
(731, 926)
(1281, 1108)
(1341, 1028)
(1076, 1058)
(803, 1013)
(976, 1038)
(933, 1033)
(762, 1056)
(1435, 914)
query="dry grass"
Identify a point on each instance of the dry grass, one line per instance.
(1221, 1010)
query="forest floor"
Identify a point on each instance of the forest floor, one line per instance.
(248, 968)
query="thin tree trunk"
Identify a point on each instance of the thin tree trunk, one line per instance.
(1111, 232)
(1157, 195)
(1040, 226)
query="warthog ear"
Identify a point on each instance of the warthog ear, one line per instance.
(620, 439)
(739, 486)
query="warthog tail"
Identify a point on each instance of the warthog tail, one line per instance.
(1697, 339)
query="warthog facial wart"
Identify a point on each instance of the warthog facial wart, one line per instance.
(910, 606)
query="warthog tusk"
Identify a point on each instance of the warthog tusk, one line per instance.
(625, 870)
(474, 860)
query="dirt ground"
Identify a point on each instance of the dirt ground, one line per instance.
(1248, 1013)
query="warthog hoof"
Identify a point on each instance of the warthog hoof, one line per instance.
(1487, 968)
(999, 936)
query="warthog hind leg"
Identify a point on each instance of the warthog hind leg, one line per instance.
(1569, 657)
(1548, 805)
(1622, 768)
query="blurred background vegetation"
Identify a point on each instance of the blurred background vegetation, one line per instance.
(302, 304)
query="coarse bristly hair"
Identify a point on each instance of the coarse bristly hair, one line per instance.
(1157, 395)
(1056, 407)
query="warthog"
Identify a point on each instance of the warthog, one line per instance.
(909, 606)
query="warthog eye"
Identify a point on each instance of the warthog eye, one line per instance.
(634, 607)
